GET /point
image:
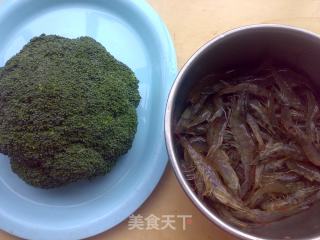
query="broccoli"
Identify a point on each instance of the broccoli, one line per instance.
(67, 110)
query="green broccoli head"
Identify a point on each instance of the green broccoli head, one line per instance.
(75, 163)
(67, 110)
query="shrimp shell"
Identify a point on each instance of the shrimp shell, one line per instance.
(295, 199)
(305, 170)
(256, 131)
(221, 163)
(214, 188)
(247, 87)
(245, 145)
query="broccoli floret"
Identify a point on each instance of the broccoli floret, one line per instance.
(67, 110)
(76, 163)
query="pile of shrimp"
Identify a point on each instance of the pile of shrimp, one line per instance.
(251, 144)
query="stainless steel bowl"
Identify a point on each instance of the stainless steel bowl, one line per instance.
(242, 46)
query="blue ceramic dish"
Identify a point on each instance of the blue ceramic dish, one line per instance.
(135, 35)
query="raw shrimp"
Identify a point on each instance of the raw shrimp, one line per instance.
(274, 187)
(285, 93)
(312, 111)
(221, 163)
(288, 176)
(263, 217)
(262, 118)
(251, 143)
(199, 185)
(309, 149)
(215, 133)
(295, 199)
(245, 144)
(199, 143)
(258, 176)
(256, 130)
(184, 120)
(203, 116)
(274, 164)
(305, 170)
(247, 87)
(226, 214)
(277, 150)
(214, 188)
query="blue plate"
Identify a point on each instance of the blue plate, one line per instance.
(135, 35)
